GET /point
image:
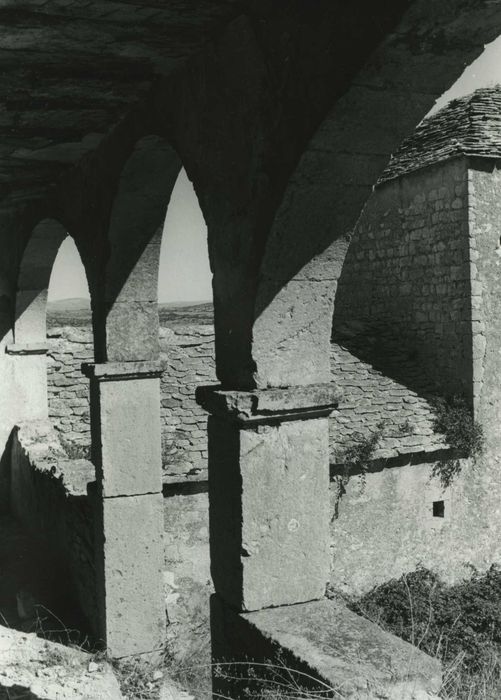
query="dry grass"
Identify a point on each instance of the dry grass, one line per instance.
(138, 680)
(483, 685)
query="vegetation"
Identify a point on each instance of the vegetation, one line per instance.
(75, 450)
(358, 456)
(454, 419)
(459, 624)
(138, 680)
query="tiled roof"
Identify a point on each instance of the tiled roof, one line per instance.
(375, 402)
(468, 126)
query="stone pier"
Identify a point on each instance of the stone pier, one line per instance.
(269, 494)
(129, 535)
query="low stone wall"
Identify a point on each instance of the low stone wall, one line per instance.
(397, 518)
(49, 497)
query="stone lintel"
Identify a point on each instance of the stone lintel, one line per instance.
(26, 349)
(116, 371)
(255, 406)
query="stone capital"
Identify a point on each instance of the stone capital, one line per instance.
(26, 349)
(270, 405)
(117, 371)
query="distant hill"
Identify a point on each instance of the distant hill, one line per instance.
(201, 313)
(76, 312)
(69, 312)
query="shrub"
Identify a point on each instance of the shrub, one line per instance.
(454, 419)
(358, 456)
(451, 622)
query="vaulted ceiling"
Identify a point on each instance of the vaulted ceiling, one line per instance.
(70, 70)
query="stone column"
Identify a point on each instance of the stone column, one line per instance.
(125, 423)
(269, 494)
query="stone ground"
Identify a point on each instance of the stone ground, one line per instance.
(32, 668)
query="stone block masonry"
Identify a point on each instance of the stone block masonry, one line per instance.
(407, 273)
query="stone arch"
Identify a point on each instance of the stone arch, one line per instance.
(125, 404)
(27, 354)
(33, 281)
(129, 319)
(335, 176)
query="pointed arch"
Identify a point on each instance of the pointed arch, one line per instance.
(128, 316)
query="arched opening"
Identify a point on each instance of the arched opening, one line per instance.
(327, 192)
(69, 345)
(184, 271)
(52, 284)
(125, 389)
(42, 487)
(301, 268)
(415, 329)
(129, 306)
(186, 335)
(187, 357)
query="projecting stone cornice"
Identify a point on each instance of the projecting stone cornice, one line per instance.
(265, 406)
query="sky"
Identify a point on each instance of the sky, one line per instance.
(184, 265)
(184, 272)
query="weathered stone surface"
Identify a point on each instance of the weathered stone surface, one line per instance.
(129, 435)
(368, 547)
(269, 512)
(114, 371)
(485, 256)
(291, 333)
(38, 348)
(132, 331)
(30, 310)
(293, 402)
(130, 561)
(28, 377)
(327, 648)
(187, 580)
(37, 669)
